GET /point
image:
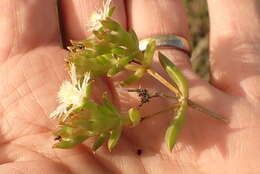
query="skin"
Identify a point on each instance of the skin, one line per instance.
(32, 68)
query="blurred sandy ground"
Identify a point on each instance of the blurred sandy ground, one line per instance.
(199, 28)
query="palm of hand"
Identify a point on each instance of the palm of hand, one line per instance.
(30, 82)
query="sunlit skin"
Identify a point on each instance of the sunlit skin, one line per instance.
(32, 69)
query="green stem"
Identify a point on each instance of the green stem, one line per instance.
(160, 112)
(163, 81)
(206, 111)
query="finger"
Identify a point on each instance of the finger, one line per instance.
(27, 24)
(148, 18)
(154, 17)
(165, 17)
(234, 45)
(75, 15)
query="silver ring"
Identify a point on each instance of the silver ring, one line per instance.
(167, 41)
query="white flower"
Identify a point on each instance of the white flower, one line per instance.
(71, 95)
(101, 14)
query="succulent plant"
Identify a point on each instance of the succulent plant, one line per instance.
(109, 50)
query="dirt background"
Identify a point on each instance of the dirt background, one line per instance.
(199, 30)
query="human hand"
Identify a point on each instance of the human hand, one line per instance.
(32, 67)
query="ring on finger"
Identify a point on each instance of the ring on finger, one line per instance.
(167, 41)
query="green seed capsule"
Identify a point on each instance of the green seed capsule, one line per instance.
(134, 116)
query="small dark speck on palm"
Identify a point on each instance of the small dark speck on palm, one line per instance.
(139, 152)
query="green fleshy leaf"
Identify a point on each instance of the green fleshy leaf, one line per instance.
(103, 117)
(111, 11)
(120, 36)
(90, 50)
(175, 74)
(89, 105)
(134, 116)
(120, 51)
(121, 63)
(110, 24)
(65, 132)
(71, 142)
(103, 48)
(134, 77)
(97, 66)
(175, 127)
(87, 53)
(94, 118)
(109, 104)
(114, 137)
(99, 34)
(149, 53)
(89, 89)
(68, 138)
(100, 140)
(120, 39)
(113, 71)
(103, 120)
(134, 37)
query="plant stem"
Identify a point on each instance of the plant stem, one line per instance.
(194, 106)
(164, 82)
(160, 112)
(200, 108)
(206, 111)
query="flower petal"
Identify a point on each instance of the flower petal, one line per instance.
(73, 74)
(96, 17)
(60, 110)
(67, 93)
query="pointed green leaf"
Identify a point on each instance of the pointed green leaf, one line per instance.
(114, 137)
(175, 127)
(134, 37)
(70, 142)
(149, 53)
(89, 89)
(97, 66)
(134, 77)
(68, 139)
(87, 53)
(110, 24)
(121, 63)
(120, 51)
(98, 34)
(102, 48)
(120, 36)
(113, 71)
(103, 119)
(111, 11)
(100, 140)
(175, 74)
(109, 104)
(134, 116)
